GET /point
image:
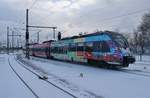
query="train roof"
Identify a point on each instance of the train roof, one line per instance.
(92, 34)
(49, 41)
(33, 43)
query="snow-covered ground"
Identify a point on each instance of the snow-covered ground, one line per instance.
(144, 58)
(12, 87)
(82, 81)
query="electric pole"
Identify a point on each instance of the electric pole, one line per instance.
(53, 28)
(27, 35)
(38, 36)
(17, 44)
(20, 42)
(27, 32)
(11, 45)
(12, 39)
(7, 40)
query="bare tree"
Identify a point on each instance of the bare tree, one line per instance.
(144, 28)
(141, 44)
(136, 41)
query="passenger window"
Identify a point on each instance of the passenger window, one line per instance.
(72, 47)
(101, 46)
(105, 47)
(89, 47)
(97, 46)
(80, 47)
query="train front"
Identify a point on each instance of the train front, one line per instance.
(122, 50)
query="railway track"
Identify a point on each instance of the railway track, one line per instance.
(83, 94)
(135, 72)
(23, 81)
(44, 78)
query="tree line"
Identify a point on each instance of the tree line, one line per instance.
(140, 42)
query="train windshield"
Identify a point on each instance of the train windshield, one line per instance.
(120, 40)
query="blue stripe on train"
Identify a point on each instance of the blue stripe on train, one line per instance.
(98, 38)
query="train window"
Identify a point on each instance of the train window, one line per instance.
(55, 49)
(97, 46)
(72, 47)
(80, 47)
(52, 50)
(42, 49)
(120, 40)
(100, 46)
(61, 49)
(89, 47)
(36, 49)
(105, 47)
(65, 49)
(46, 49)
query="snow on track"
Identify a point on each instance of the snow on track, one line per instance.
(40, 87)
(22, 80)
(61, 83)
(42, 77)
(108, 83)
(93, 83)
(10, 85)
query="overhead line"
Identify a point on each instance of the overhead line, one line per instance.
(124, 15)
(106, 19)
(30, 9)
(33, 4)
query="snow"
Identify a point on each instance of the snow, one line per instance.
(80, 80)
(107, 83)
(145, 58)
(12, 87)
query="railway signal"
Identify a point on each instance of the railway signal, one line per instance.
(59, 35)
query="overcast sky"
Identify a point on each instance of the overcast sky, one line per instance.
(73, 16)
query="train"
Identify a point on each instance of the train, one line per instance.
(104, 48)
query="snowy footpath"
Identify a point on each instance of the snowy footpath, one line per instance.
(79, 80)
